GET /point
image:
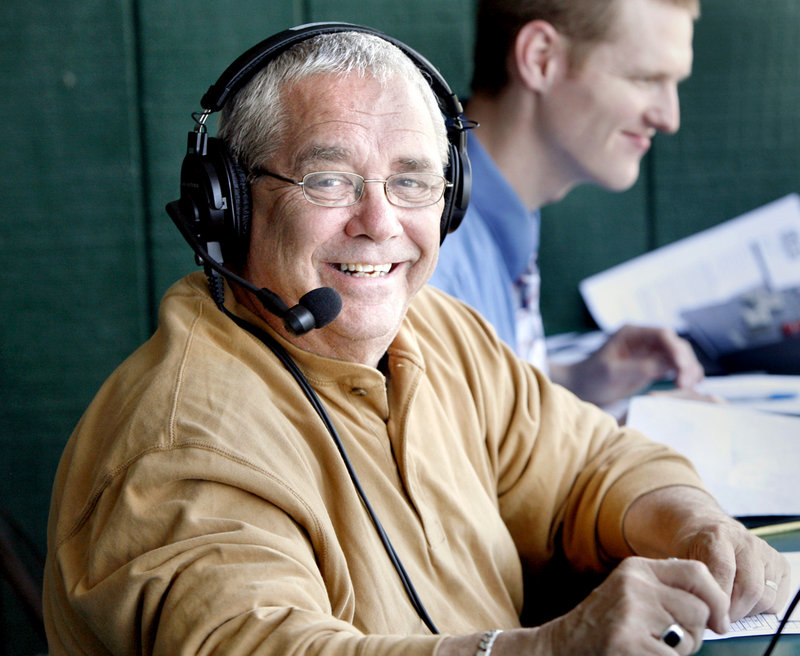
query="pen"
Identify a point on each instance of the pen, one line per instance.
(775, 529)
(756, 398)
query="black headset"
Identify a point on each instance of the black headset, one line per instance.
(215, 194)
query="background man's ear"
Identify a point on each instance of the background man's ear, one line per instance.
(540, 55)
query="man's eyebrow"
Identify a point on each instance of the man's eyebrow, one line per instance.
(416, 164)
(319, 153)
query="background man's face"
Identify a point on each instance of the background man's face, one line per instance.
(603, 116)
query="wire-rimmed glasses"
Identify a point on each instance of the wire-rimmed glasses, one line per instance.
(342, 189)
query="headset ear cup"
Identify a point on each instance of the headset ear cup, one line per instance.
(456, 197)
(451, 174)
(463, 187)
(235, 234)
(237, 241)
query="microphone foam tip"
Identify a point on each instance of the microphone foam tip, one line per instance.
(324, 303)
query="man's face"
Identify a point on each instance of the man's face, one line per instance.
(353, 125)
(601, 118)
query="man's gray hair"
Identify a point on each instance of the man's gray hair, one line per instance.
(253, 124)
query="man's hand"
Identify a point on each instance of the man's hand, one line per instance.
(755, 577)
(630, 611)
(630, 360)
(697, 568)
(626, 615)
(684, 522)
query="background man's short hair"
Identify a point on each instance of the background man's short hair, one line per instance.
(585, 23)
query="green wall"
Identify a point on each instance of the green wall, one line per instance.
(96, 104)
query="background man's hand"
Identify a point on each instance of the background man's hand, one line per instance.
(630, 360)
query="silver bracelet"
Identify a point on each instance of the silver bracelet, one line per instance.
(487, 640)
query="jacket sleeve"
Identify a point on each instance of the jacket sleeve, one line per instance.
(184, 561)
(568, 472)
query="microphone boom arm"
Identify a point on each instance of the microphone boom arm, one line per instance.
(298, 319)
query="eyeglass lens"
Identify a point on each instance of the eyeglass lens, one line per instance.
(340, 189)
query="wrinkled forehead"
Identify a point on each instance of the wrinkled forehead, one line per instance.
(343, 119)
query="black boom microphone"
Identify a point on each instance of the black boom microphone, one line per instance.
(315, 309)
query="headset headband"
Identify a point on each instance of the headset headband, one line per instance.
(239, 73)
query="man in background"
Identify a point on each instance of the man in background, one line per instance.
(565, 93)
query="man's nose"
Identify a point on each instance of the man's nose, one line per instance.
(665, 114)
(374, 216)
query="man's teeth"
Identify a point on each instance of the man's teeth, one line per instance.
(364, 270)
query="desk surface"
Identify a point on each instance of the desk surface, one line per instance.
(755, 646)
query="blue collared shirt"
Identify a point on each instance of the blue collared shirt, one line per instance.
(492, 247)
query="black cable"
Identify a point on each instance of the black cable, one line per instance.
(782, 625)
(217, 293)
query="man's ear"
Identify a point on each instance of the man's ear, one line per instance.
(540, 55)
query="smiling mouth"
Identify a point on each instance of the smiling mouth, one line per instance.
(364, 270)
(642, 139)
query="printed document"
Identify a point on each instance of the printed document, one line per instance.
(758, 249)
(766, 624)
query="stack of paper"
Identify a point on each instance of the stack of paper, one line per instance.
(750, 460)
(766, 624)
(758, 249)
(770, 393)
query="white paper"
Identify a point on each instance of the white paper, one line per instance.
(759, 248)
(769, 393)
(766, 624)
(748, 459)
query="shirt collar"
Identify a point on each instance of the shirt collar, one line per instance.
(513, 226)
